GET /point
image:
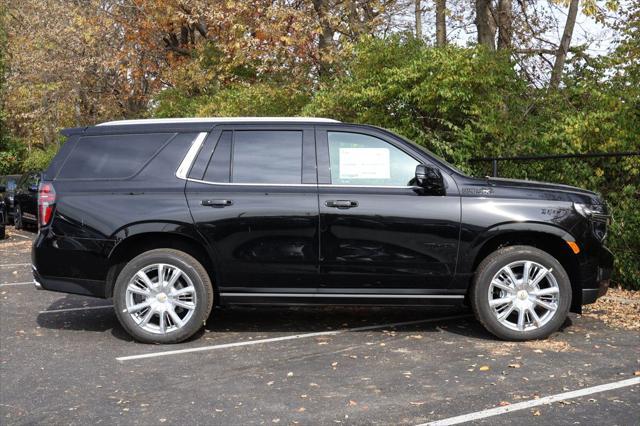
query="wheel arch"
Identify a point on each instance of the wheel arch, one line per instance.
(133, 245)
(550, 239)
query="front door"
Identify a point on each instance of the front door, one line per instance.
(253, 195)
(380, 237)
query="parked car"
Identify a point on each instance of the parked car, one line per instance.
(171, 216)
(25, 200)
(9, 182)
(3, 214)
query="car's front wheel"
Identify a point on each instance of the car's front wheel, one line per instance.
(521, 293)
(163, 296)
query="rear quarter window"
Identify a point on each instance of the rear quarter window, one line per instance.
(112, 156)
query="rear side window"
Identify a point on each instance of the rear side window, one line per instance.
(112, 156)
(267, 157)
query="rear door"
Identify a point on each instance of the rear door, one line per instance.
(381, 238)
(252, 192)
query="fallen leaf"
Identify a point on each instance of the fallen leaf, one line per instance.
(514, 365)
(504, 403)
(536, 413)
(484, 368)
(352, 403)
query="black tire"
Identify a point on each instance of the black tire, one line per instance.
(491, 265)
(17, 217)
(196, 273)
(2, 232)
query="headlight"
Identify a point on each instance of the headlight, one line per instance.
(597, 216)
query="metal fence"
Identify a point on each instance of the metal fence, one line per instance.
(528, 158)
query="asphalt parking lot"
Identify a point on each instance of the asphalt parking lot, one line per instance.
(65, 360)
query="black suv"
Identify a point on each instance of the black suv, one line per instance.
(9, 182)
(25, 200)
(169, 217)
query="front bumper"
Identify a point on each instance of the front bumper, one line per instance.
(593, 290)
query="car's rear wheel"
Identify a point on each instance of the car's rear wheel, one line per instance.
(521, 293)
(17, 217)
(163, 296)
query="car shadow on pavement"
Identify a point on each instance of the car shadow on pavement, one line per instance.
(263, 320)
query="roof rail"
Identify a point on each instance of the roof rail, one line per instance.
(214, 120)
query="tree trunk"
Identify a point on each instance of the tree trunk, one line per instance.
(485, 24)
(441, 22)
(326, 37)
(418, 13)
(565, 43)
(505, 24)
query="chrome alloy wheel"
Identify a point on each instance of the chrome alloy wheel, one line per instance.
(524, 295)
(160, 298)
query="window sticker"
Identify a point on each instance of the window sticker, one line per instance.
(364, 163)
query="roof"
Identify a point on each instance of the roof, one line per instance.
(214, 120)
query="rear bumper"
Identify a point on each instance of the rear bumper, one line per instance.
(69, 285)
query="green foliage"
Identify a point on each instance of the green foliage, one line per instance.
(39, 159)
(259, 99)
(449, 100)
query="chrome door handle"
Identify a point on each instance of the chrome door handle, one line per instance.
(341, 204)
(217, 203)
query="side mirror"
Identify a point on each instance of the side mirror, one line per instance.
(430, 179)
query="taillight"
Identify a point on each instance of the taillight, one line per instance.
(46, 201)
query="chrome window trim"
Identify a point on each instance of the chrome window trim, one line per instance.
(189, 158)
(303, 185)
(348, 295)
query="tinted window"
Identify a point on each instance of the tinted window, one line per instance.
(358, 159)
(111, 156)
(218, 169)
(267, 157)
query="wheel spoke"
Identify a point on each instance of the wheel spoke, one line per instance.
(534, 316)
(503, 286)
(147, 318)
(547, 291)
(511, 275)
(162, 323)
(138, 307)
(548, 306)
(539, 276)
(498, 302)
(521, 319)
(175, 318)
(145, 279)
(506, 313)
(183, 304)
(160, 275)
(175, 274)
(525, 272)
(138, 290)
(182, 291)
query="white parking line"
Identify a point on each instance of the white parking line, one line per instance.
(9, 284)
(533, 403)
(283, 338)
(53, 311)
(13, 265)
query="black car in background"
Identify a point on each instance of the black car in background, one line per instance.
(169, 217)
(9, 182)
(25, 200)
